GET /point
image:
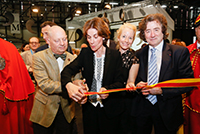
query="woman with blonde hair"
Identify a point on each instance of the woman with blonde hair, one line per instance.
(125, 38)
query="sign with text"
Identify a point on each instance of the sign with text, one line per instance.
(15, 26)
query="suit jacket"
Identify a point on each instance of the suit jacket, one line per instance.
(43, 47)
(112, 76)
(27, 57)
(175, 64)
(50, 96)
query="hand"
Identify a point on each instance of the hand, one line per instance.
(30, 69)
(83, 100)
(82, 84)
(103, 96)
(76, 92)
(152, 91)
(131, 85)
(141, 84)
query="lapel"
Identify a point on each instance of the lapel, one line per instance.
(106, 64)
(144, 60)
(53, 62)
(166, 60)
(69, 58)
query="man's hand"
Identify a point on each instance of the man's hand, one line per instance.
(147, 91)
(103, 96)
(152, 91)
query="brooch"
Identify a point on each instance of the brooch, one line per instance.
(2, 63)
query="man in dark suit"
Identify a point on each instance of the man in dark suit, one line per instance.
(159, 107)
(44, 30)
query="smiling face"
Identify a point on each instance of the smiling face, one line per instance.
(57, 40)
(153, 33)
(95, 41)
(126, 39)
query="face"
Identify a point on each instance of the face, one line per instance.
(45, 32)
(126, 39)
(26, 47)
(153, 33)
(95, 41)
(58, 41)
(197, 31)
(34, 43)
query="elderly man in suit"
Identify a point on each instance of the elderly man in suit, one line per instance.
(159, 61)
(53, 111)
(44, 30)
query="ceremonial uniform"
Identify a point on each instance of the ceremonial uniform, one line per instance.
(192, 100)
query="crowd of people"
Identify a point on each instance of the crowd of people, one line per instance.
(40, 88)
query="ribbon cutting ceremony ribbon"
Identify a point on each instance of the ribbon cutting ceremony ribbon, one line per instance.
(175, 83)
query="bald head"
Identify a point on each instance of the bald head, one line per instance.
(57, 39)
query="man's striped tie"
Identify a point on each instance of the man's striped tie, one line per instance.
(152, 74)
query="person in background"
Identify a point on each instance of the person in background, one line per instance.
(84, 45)
(34, 43)
(125, 38)
(24, 47)
(44, 30)
(175, 40)
(179, 44)
(53, 111)
(16, 92)
(183, 44)
(102, 69)
(159, 61)
(192, 100)
(110, 43)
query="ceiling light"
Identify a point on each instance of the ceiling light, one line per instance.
(78, 11)
(175, 6)
(35, 9)
(164, 6)
(107, 6)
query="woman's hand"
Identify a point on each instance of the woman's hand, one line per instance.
(103, 96)
(76, 93)
(131, 85)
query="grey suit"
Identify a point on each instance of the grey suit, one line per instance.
(49, 96)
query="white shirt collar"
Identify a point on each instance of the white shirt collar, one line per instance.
(159, 47)
(198, 45)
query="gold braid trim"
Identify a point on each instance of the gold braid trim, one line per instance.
(2, 92)
(192, 109)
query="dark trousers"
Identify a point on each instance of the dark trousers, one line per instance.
(95, 121)
(59, 126)
(151, 117)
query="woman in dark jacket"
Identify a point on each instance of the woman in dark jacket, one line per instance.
(102, 69)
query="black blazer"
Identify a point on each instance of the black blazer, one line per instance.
(112, 76)
(175, 64)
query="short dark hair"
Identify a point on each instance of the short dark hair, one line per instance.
(50, 23)
(106, 20)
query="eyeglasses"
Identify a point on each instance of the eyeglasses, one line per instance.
(34, 42)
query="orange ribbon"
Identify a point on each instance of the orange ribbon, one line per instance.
(175, 83)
